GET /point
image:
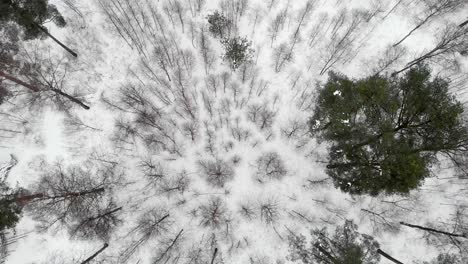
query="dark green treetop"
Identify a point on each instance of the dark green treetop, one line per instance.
(30, 15)
(237, 51)
(345, 246)
(10, 211)
(219, 24)
(385, 133)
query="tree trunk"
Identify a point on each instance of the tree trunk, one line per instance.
(17, 81)
(98, 190)
(385, 255)
(169, 247)
(23, 200)
(344, 165)
(414, 29)
(214, 255)
(463, 24)
(36, 89)
(95, 254)
(428, 229)
(105, 214)
(71, 98)
(56, 40)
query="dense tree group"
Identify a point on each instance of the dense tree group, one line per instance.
(385, 133)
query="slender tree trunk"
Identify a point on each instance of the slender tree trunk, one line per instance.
(385, 255)
(56, 40)
(17, 81)
(214, 255)
(95, 254)
(463, 24)
(25, 199)
(36, 89)
(71, 98)
(105, 214)
(98, 190)
(170, 246)
(432, 230)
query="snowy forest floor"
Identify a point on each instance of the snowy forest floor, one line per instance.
(167, 113)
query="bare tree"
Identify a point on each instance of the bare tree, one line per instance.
(390, 57)
(451, 40)
(269, 211)
(217, 172)
(285, 52)
(63, 196)
(276, 25)
(94, 255)
(269, 167)
(432, 10)
(452, 234)
(215, 214)
(206, 51)
(150, 225)
(344, 29)
(46, 77)
(261, 115)
(169, 249)
(99, 224)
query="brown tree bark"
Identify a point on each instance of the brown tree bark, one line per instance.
(18, 81)
(23, 200)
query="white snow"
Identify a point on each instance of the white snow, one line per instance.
(107, 63)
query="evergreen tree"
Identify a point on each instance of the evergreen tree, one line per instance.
(237, 51)
(345, 246)
(31, 15)
(10, 212)
(219, 24)
(385, 133)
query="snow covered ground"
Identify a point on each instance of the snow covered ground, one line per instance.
(204, 113)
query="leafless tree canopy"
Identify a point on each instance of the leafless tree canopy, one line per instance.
(217, 172)
(270, 166)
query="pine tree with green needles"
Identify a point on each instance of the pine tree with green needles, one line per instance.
(237, 51)
(31, 16)
(385, 133)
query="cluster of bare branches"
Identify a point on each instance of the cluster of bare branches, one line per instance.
(270, 166)
(217, 172)
(76, 197)
(344, 30)
(215, 215)
(152, 224)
